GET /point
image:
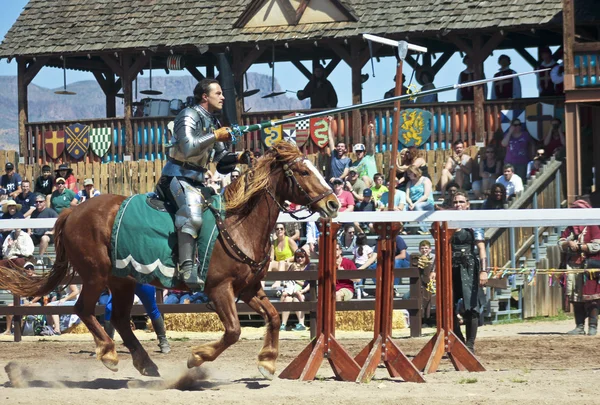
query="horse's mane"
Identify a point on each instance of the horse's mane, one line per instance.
(239, 195)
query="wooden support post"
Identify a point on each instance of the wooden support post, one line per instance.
(324, 345)
(356, 67)
(109, 87)
(22, 106)
(478, 53)
(382, 348)
(445, 341)
(127, 78)
(572, 139)
(568, 43)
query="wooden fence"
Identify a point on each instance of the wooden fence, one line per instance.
(141, 176)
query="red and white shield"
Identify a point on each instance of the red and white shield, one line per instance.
(319, 131)
(289, 130)
(301, 128)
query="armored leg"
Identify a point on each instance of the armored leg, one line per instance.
(188, 221)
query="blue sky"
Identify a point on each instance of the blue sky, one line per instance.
(288, 76)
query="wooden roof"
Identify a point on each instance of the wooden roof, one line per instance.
(95, 26)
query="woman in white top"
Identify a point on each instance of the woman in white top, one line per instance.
(364, 255)
(17, 244)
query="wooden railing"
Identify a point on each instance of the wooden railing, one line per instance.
(507, 245)
(451, 121)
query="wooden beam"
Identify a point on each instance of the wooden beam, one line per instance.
(300, 10)
(22, 108)
(248, 60)
(441, 61)
(365, 54)
(569, 47)
(301, 68)
(103, 82)
(527, 56)
(491, 44)
(411, 62)
(210, 70)
(34, 68)
(342, 52)
(113, 64)
(195, 73)
(332, 65)
(127, 101)
(356, 67)
(136, 67)
(586, 47)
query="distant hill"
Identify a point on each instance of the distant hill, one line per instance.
(89, 102)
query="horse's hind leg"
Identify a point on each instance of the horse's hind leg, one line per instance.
(122, 295)
(85, 308)
(270, 350)
(224, 303)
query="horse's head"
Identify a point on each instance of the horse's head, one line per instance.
(284, 174)
(300, 182)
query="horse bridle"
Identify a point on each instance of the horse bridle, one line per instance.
(289, 174)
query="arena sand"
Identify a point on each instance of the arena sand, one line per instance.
(527, 363)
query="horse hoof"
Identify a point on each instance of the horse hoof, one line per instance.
(151, 372)
(194, 361)
(266, 373)
(111, 365)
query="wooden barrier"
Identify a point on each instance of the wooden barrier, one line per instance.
(445, 341)
(141, 176)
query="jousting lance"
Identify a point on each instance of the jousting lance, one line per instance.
(238, 131)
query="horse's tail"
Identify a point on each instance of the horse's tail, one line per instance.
(15, 279)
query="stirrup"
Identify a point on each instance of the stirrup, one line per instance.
(190, 277)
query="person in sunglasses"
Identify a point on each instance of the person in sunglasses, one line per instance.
(519, 147)
(469, 275)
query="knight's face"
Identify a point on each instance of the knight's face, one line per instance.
(215, 98)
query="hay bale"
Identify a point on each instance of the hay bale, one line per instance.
(191, 323)
(78, 329)
(365, 320)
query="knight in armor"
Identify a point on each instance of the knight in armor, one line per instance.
(198, 139)
(508, 88)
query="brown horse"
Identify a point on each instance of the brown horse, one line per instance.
(83, 241)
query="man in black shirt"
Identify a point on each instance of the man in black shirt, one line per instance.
(42, 236)
(26, 199)
(44, 183)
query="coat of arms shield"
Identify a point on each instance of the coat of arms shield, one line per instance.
(270, 136)
(415, 127)
(319, 131)
(100, 140)
(54, 143)
(77, 140)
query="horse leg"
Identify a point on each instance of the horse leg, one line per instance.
(224, 303)
(85, 308)
(122, 296)
(267, 356)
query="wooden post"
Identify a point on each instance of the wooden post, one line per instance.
(478, 96)
(445, 341)
(306, 365)
(22, 106)
(382, 347)
(127, 100)
(111, 102)
(356, 67)
(572, 139)
(568, 42)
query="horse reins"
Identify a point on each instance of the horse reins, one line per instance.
(243, 257)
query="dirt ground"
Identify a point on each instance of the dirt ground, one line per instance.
(528, 363)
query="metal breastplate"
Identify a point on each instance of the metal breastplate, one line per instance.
(192, 144)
